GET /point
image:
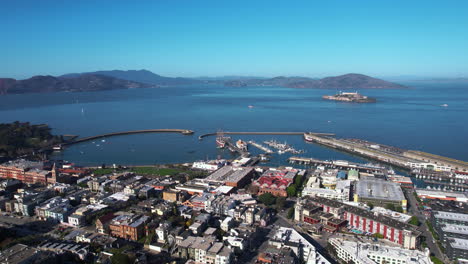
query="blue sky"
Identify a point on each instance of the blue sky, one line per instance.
(215, 38)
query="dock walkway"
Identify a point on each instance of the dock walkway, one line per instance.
(262, 133)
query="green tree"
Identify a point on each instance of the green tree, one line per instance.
(298, 181)
(399, 209)
(120, 258)
(371, 205)
(390, 206)
(290, 214)
(378, 235)
(435, 260)
(280, 203)
(414, 221)
(267, 199)
(291, 190)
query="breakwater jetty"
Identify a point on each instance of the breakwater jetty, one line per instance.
(164, 130)
(403, 158)
(262, 133)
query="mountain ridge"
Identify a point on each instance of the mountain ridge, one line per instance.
(82, 83)
(119, 79)
(346, 81)
(142, 76)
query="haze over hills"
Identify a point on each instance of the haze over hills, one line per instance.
(143, 76)
(119, 79)
(347, 81)
(81, 83)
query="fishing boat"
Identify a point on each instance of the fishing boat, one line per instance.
(221, 141)
(241, 144)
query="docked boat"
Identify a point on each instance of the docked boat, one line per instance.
(221, 141)
(57, 147)
(242, 145)
(308, 137)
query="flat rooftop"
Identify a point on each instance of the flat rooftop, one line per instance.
(459, 243)
(229, 174)
(363, 252)
(366, 213)
(23, 164)
(451, 216)
(379, 189)
(441, 194)
(455, 229)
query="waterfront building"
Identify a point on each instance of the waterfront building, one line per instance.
(379, 192)
(365, 253)
(439, 161)
(232, 176)
(341, 191)
(276, 181)
(403, 181)
(209, 165)
(362, 220)
(441, 195)
(28, 172)
(353, 175)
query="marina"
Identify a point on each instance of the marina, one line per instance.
(282, 147)
(261, 147)
(341, 164)
(263, 133)
(442, 179)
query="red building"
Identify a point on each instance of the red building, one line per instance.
(26, 171)
(360, 220)
(275, 182)
(128, 226)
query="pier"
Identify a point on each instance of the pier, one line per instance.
(263, 133)
(391, 155)
(261, 147)
(232, 147)
(182, 131)
(338, 164)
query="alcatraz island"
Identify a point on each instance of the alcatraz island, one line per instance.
(350, 97)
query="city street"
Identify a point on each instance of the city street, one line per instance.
(415, 211)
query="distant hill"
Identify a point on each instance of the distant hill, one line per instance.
(442, 80)
(347, 81)
(117, 79)
(142, 76)
(80, 83)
